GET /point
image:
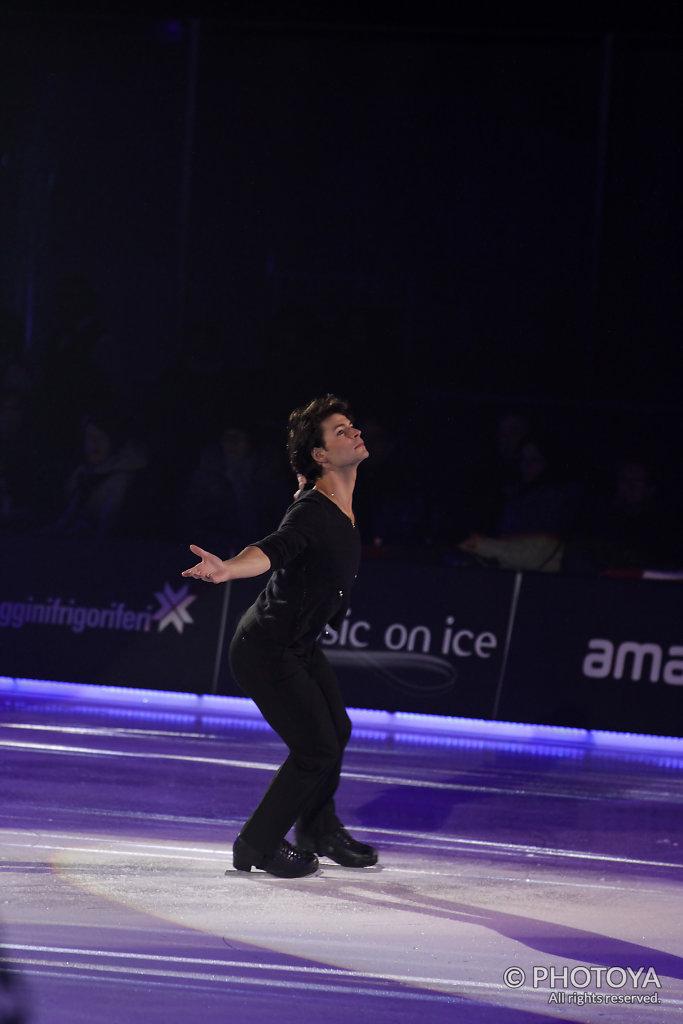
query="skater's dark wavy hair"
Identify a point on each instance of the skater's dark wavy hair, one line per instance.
(304, 433)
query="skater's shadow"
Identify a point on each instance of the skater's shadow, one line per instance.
(556, 940)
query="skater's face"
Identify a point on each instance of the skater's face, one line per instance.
(343, 445)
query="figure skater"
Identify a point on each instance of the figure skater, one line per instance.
(275, 655)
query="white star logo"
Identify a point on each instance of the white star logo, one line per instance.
(173, 608)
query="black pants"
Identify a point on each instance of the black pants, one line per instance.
(298, 695)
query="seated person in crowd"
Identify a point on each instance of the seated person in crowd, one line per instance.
(537, 516)
(630, 527)
(98, 485)
(235, 489)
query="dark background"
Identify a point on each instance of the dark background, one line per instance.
(444, 217)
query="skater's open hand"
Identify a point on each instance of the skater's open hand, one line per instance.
(211, 569)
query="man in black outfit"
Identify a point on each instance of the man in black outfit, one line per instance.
(275, 655)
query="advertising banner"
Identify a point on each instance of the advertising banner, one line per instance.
(597, 654)
(417, 638)
(114, 613)
(456, 641)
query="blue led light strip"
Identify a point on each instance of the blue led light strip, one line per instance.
(141, 702)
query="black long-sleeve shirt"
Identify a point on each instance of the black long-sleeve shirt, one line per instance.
(314, 554)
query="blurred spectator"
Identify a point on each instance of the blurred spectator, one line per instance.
(97, 487)
(484, 473)
(631, 527)
(538, 515)
(542, 500)
(236, 493)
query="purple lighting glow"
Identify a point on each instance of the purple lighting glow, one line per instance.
(184, 708)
